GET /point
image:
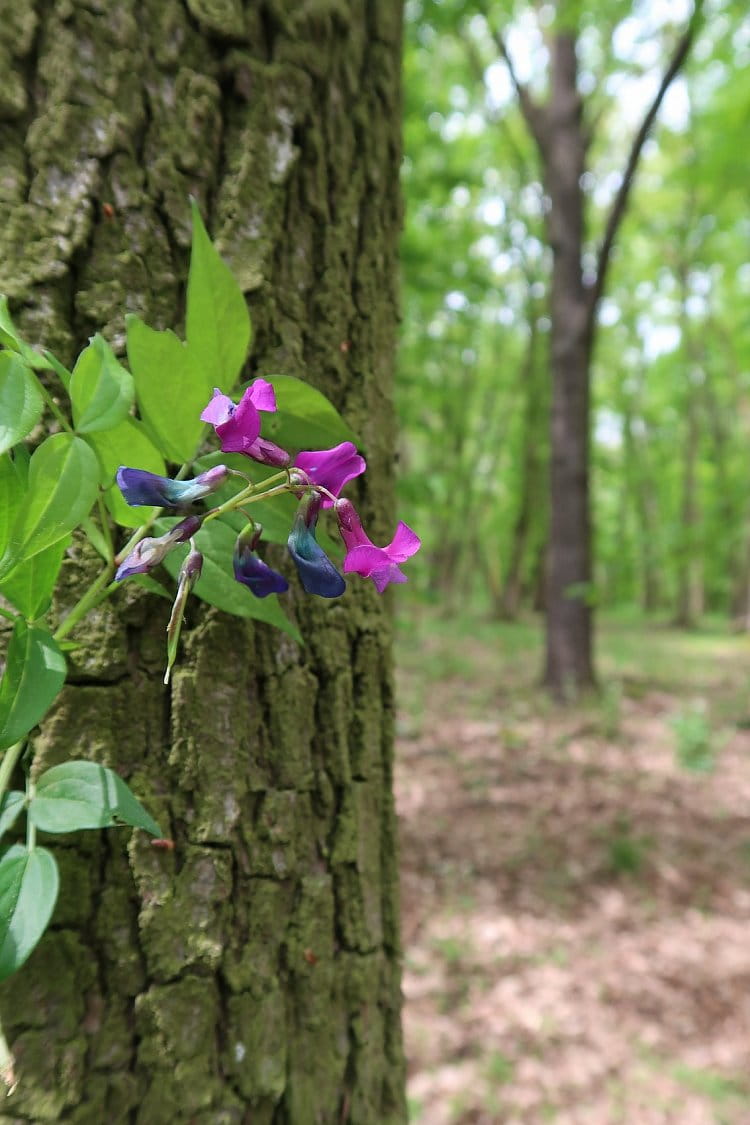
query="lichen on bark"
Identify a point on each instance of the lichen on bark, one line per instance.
(252, 974)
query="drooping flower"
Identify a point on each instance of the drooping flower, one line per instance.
(238, 425)
(317, 573)
(381, 564)
(331, 468)
(249, 568)
(141, 487)
(148, 553)
(190, 572)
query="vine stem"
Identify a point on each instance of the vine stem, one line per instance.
(8, 764)
(87, 602)
(104, 586)
(7, 1066)
(54, 407)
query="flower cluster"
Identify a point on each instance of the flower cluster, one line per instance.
(315, 477)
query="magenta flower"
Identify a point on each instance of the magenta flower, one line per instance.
(149, 552)
(381, 564)
(331, 468)
(238, 426)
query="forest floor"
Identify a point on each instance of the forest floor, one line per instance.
(575, 882)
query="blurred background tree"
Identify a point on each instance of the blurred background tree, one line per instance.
(484, 359)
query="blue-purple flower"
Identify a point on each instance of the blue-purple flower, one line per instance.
(140, 487)
(317, 573)
(249, 568)
(148, 553)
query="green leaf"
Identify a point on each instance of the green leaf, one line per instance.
(60, 370)
(29, 883)
(34, 675)
(217, 584)
(126, 444)
(63, 481)
(101, 390)
(29, 585)
(11, 807)
(304, 418)
(79, 794)
(153, 587)
(172, 388)
(96, 538)
(217, 323)
(14, 473)
(20, 400)
(10, 339)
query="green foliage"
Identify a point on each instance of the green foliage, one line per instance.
(626, 852)
(34, 674)
(29, 586)
(62, 486)
(78, 795)
(172, 389)
(107, 417)
(217, 585)
(101, 390)
(695, 748)
(673, 342)
(126, 443)
(304, 418)
(11, 807)
(218, 323)
(20, 401)
(29, 883)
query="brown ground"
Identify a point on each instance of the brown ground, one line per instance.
(576, 904)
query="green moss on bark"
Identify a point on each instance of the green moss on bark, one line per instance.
(252, 972)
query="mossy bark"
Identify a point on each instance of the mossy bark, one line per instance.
(252, 974)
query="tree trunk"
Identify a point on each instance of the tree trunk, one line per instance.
(252, 974)
(562, 139)
(508, 601)
(644, 497)
(569, 666)
(689, 577)
(689, 604)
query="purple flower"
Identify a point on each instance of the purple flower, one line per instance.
(317, 573)
(331, 468)
(363, 557)
(141, 487)
(250, 570)
(238, 426)
(148, 553)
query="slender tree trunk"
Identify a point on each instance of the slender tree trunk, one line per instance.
(252, 974)
(562, 139)
(740, 578)
(689, 601)
(644, 495)
(509, 600)
(569, 665)
(689, 585)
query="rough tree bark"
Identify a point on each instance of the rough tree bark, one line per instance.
(252, 974)
(562, 138)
